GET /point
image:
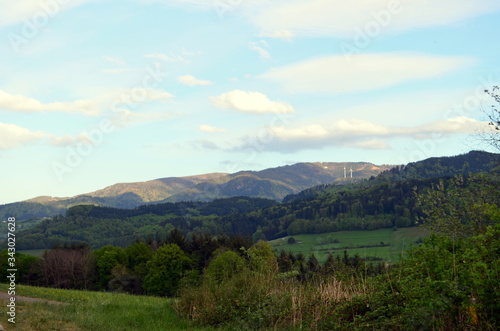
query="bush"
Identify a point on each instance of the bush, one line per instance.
(165, 270)
(252, 300)
(224, 266)
(442, 284)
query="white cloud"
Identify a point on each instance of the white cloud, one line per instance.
(192, 81)
(16, 11)
(369, 144)
(132, 97)
(339, 18)
(251, 102)
(359, 134)
(126, 118)
(279, 34)
(115, 60)
(258, 47)
(454, 125)
(149, 94)
(65, 140)
(12, 136)
(336, 18)
(333, 74)
(210, 129)
(171, 58)
(20, 103)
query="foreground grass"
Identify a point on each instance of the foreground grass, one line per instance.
(92, 311)
(322, 244)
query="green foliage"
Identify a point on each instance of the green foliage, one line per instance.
(108, 257)
(462, 206)
(224, 266)
(26, 265)
(138, 255)
(165, 270)
(262, 258)
(443, 284)
(387, 201)
(256, 301)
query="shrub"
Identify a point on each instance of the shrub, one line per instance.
(442, 284)
(165, 270)
(224, 266)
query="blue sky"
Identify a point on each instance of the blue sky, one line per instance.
(94, 93)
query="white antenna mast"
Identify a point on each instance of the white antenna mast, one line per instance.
(351, 172)
(345, 174)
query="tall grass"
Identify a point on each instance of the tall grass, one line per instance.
(253, 300)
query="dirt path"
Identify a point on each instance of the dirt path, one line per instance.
(5, 296)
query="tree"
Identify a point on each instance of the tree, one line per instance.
(262, 257)
(165, 270)
(107, 258)
(68, 267)
(224, 266)
(138, 255)
(491, 136)
(461, 207)
(175, 236)
(123, 280)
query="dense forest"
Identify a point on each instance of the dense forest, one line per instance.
(386, 201)
(448, 282)
(210, 256)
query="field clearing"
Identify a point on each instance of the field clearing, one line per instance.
(92, 311)
(32, 252)
(386, 244)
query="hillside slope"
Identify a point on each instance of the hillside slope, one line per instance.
(385, 201)
(273, 183)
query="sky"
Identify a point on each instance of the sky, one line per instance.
(94, 93)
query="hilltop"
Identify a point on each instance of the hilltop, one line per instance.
(272, 183)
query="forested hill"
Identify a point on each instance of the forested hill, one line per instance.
(435, 167)
(272, 183)
(385, 201)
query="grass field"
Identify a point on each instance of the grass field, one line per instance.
(390, 244)
(32, 252)
(91, 311)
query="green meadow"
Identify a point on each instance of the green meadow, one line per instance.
(92, 311)
(387, 244)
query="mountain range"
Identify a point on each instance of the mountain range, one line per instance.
(273, 183)
(388, 200)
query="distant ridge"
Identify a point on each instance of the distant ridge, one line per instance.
(272, 183)
(291, 181)
(387, 200)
